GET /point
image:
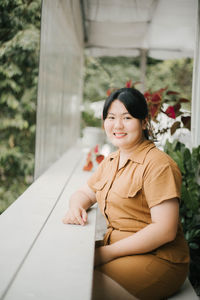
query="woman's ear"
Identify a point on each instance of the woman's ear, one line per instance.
(144, 123)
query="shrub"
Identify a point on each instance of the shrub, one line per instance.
(189, 164)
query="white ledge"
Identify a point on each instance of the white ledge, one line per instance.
(40, 257)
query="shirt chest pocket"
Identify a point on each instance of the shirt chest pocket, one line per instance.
(127, 189)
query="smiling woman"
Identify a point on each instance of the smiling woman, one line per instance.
(122, 129)
(126, 124)
(137, 189)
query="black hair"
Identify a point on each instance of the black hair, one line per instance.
(133, 100)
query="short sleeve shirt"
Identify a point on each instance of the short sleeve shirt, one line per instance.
(125, 195)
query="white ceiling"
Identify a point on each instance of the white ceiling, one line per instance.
(122, 27)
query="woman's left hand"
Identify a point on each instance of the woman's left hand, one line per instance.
(103, 255)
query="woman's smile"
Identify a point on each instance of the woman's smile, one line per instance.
(119, 135)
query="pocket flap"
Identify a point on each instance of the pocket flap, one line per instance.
(99, 185)
(134, 189)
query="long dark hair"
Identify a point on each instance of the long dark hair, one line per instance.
(133, 100)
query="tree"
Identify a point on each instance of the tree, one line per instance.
(19, 59)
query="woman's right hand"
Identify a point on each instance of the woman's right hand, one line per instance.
(79, 202)
(75, 215)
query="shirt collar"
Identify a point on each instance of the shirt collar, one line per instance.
(139, 154)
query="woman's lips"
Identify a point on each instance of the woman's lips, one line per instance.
(119, 134)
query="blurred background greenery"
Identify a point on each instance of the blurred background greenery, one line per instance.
(104, 73)
(19, 58)
(19, 61)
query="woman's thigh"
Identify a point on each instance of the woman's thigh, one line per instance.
(146, 276)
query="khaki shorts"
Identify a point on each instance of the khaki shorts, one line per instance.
(146, 276)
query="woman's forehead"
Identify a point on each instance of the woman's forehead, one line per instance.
(118, 107)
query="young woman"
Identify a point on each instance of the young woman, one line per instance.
(144, 253)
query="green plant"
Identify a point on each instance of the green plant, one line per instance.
(89, 119)
(189, 164)
(19, 60)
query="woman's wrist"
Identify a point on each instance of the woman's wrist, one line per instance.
(112, 253)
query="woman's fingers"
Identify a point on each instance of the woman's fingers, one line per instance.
(79, 218)
(84, 215)
(76, 216)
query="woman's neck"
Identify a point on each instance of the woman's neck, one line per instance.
(125, 152)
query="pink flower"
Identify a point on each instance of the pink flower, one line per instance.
(96, 149)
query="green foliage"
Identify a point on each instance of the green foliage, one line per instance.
(189, 164)
(19, 58)
(88, 119)
(175, 74)
(104, 73)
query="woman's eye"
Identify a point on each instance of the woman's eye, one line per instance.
(110, 118)
(127, 118)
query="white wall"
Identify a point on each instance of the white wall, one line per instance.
(60, 81)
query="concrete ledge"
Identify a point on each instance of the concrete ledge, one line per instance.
(186, 292)
(40, 257)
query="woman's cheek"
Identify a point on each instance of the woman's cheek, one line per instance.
(107, 127)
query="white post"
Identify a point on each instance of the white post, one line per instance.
(143, 63)
(195, 124)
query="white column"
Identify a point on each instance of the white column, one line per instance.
(60, 81)
(195, 124)
(143, 63)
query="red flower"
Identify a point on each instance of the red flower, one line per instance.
(88, 166)
(147, 96)
(129, 84)
(156, 97)
(170, 112)
(99, 158)
(109, 91)
(154, 109)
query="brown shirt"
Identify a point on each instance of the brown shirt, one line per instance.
(125, 195)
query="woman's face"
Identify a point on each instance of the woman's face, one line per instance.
(123, 130)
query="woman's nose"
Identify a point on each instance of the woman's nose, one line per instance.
(119, 123)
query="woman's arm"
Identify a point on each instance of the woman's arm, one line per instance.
(80, 201)
(162, 230)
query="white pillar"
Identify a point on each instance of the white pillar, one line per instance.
(60, 81)
(143, 63)
(195, 124)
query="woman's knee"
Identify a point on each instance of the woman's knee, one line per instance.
(106, 288)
